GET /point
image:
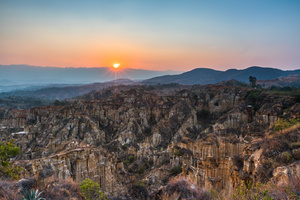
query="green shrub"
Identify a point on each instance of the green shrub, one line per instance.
(286, 158)
(178, 152)
(297, 98)
(125, 147)
(131, 158)
(91, 190)
(141, 170)
(141, 183)
(203, 114)
(254, 98)
(175, 170)
(126, 162)
(8, 151)
(165, 161)
(282, 124)
(247, 190)
(252, 81)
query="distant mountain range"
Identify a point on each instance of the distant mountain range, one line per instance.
(33, 75)
(265, 76)
(210, 76)
(61, 92)
(26, 74)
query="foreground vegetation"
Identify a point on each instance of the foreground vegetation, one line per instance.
(59, 189)
(177, 188)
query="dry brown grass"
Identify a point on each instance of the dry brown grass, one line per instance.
(286, 192)
(8, 191)
(263, 192)
(181, 188)
(278, 142)
(62, 190)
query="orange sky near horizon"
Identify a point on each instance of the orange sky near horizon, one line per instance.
(180, 36)
(130, 56)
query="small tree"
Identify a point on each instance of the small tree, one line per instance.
(252, 80)
(174, 171)
(282, 124)
(57, 103)
(279, 126)
(91, 190)
(7, 151)
(178, 152)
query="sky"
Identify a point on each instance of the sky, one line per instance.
(175, 35)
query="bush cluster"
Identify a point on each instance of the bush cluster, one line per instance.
(175, 170)
(8, 151)
(282, 124)
(178, 152)
(248, 191)
(60, 189)
(91, 190)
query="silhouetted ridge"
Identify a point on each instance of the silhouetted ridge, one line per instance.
(210, 76)
(194, 76)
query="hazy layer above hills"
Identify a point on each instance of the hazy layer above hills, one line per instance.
(62, 92)
(265, 76)
(32, 75)
(210, 76)
(25, 74)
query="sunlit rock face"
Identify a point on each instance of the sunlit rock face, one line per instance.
(133, 138)
(286, 175)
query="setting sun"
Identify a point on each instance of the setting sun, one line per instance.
(116, 65)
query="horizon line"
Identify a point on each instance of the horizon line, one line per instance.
(147, 69)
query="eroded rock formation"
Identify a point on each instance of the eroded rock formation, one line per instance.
(130, 138)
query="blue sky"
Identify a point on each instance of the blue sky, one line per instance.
(160, 35)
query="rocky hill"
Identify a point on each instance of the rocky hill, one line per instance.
(133, 142)
(210, 76)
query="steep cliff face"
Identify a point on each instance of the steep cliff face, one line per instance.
(11, 118)
(217, 134)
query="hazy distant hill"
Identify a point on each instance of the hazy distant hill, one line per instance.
(64, 91)
(61, 93)
(187, 78)
(20, 74)
(210, 76)
(6, 82)
(291, 80)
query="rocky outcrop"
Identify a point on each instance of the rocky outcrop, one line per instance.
(133, 138)
(286, 175)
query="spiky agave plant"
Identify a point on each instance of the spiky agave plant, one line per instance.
(32, 195)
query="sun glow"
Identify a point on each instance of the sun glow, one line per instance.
(116, 65)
